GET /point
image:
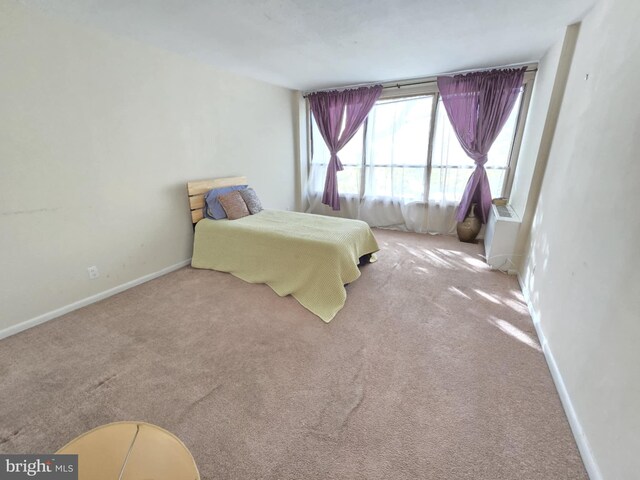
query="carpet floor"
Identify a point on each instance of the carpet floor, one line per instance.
(431, 371)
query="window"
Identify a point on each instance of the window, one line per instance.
(451, 166)
(390, 157)
(397, 148)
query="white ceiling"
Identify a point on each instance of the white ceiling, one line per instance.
(307, 44)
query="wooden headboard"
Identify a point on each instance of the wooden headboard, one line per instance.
(197, 190)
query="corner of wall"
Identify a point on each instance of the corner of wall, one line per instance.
(526, 238)
(543, 146)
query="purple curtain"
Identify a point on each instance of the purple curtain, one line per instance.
(478, 104)
(331, 110)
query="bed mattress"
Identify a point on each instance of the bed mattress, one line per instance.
(311, 257)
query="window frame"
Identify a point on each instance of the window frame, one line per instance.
(429, 87)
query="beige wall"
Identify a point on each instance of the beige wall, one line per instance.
(534, 128)
(98, 136)
(549, 88)
(581, 270)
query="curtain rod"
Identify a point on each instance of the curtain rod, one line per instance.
(426, 81)
(434, 80)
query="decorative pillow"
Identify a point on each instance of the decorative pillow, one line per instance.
(233, 205)
(213, 208)
(250, 197)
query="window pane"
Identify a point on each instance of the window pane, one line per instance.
(496, 180)
(319, 148)
(398, 148)
(447, 184)
(351, 154)
(397, 182)
(349, 180)
(398, 132)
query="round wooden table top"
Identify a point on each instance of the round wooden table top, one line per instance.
(131, 451)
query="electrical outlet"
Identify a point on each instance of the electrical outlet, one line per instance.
(93, 272)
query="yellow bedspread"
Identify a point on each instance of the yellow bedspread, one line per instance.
(310, 257)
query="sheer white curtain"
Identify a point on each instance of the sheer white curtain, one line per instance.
(386, 180)
(451, 166)
(349, 179)
(396, 191)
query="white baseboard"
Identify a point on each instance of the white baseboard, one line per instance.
(13, 329)
(581, 440)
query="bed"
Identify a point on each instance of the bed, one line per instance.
(310, 257)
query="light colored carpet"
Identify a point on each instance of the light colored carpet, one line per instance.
(431, 371)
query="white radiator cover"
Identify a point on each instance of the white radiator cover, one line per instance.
(500, 238)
